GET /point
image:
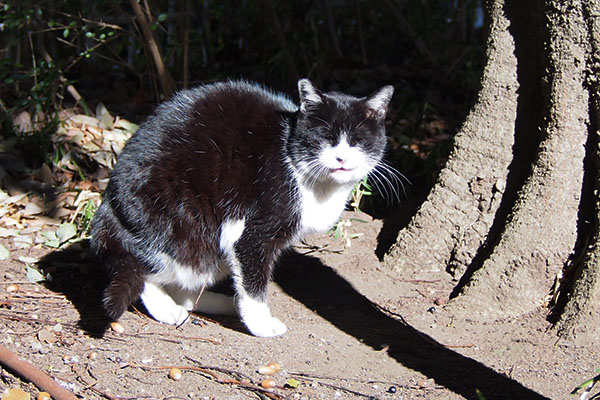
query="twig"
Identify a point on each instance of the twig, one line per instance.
(207, 371)
(141, 334)
(166, 81)
(34, 374)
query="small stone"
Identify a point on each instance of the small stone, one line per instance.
(268, 383)
(392, 389)
(269, 369)
(440, 301)
(175, 374)
(117, 327)
(12, 288)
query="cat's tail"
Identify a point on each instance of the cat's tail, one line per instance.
(124, 289)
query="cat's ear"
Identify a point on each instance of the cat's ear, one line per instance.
(309, 95)
(377, 103)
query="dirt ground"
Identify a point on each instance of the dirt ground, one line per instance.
(354, 331)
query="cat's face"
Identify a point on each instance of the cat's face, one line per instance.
(338, 138)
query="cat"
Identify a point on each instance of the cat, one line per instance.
(217, 183)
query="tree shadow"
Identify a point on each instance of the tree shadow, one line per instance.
(332, 297)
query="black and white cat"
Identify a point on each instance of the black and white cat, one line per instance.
(217, 183)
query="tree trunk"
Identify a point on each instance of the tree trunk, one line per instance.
(452, 223)
(581, 313)
(505, 214)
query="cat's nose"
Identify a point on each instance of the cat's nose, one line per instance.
(340, 159)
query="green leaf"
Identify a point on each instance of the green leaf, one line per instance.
(293, 383)
(4, 253)
(162, 17)
(66, 33)
(66, 231)
(33, 275)
(51, 239)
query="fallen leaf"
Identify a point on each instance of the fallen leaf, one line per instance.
(33, 275)
(104, 116)
(45, 336)
(15, 394)
(293, 383)
(22, 122)
(66, 231)
(51, 240)
(32, 208)
(4, 253)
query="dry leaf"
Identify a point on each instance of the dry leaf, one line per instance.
(16, 394)
(45, 336)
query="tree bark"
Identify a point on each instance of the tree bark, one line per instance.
(453, 221)
(580, 316)
(507, 211)
(541, 232)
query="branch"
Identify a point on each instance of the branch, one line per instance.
(34, 374)
(166, 81)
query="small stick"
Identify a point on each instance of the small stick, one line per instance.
(34, 374)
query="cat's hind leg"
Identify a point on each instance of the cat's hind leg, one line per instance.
(161, 306)
(204, 301)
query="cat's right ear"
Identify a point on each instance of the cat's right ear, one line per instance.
(309, 95)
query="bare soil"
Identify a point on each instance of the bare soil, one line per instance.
(355, 331)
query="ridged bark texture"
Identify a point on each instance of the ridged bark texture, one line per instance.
(541, 231)
(454, 220)
(580, 319)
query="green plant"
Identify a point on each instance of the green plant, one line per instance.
(361, 189)
(587, 387)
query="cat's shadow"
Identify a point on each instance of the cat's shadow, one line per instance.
(323, 290)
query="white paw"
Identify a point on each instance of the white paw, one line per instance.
(267, 327)
(161, 306)
(258, 319)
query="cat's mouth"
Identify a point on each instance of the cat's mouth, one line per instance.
(342, 169)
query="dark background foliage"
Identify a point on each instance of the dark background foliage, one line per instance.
(59, 54)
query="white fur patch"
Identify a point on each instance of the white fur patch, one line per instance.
(184, 276)
(347, 164)
(161, 306)
(320, 210)
(231, 231)
(257, 317)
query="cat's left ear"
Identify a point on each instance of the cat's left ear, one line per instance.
(309, 95)
(377, 103)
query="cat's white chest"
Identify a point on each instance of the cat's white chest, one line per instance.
(319, 211)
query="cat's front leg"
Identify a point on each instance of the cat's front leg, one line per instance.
(250, 262)
(256, 315)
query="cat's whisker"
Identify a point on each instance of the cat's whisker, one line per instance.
(381, 186)
(384, 175)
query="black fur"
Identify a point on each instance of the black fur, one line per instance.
(218, 152)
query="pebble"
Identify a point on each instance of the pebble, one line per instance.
(268, 383)
(440, 301)
(117, 327)
(175, 374)
(12, 288)
(268, 369)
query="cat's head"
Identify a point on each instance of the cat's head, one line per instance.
(338, 138)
